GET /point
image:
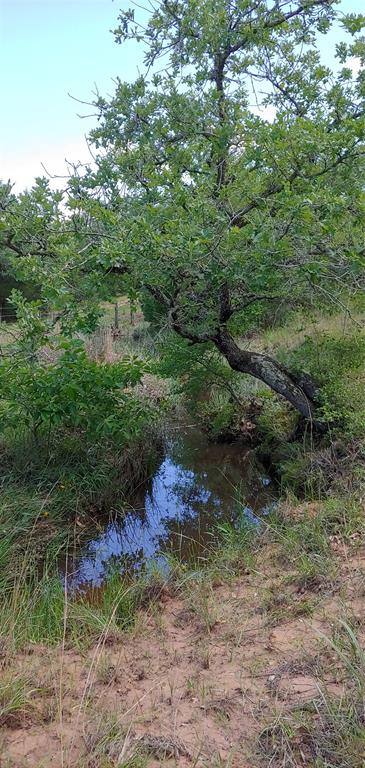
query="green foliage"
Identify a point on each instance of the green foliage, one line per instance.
(72, 446)
(217, 195)
(300, 473)
(153, 312)
(275, 420)
(226, 218)
(328, 356)
(43, 247)
(337, 364)
(190, 365)
(74, 393)
(219, 416)
(210, 388)
(233, 550)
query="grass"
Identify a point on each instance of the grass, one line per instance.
(49, 496)
(326, 730)
(303, 323)
(44, 514)
(38, 610)
(308, 534)
(303, 539)
(17, 693)
(329, 732)
(231, 551)
(108, 745)
(8, 333)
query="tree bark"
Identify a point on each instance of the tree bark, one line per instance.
(266, 369)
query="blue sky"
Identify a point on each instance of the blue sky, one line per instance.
(49, 48)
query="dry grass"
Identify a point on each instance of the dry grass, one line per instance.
(295, 331)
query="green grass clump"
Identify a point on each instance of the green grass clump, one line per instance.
(236, 545)
(39, 610)
(311, 472)
(305, 537)
(16, 699)
(231, 551)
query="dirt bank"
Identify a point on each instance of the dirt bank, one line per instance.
(198, 679)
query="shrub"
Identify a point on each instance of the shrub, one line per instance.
(73, 393)
(337, 364)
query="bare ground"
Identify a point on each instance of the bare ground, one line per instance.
(195, 682)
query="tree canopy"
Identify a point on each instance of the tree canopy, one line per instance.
(229, 175)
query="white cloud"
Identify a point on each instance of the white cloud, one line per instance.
(23, 166)
(354, 63)
(266, 113)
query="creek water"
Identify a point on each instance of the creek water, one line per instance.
(197, 485)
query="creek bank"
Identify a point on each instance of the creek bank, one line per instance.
(224, 668)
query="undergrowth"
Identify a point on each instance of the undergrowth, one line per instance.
(60, 474)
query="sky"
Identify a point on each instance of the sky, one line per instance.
(48, 50)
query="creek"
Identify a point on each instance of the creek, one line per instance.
(197, 485)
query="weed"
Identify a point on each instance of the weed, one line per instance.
(278, 605)
(16, 706)
(108, 745)
(305, 537)
(337, 364)
(235, 545)
(200, 598)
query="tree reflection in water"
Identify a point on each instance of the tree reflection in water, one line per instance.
(197, 485)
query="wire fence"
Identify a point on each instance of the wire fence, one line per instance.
(116, 333)
(10, 318)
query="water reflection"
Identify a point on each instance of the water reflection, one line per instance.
(196, 485)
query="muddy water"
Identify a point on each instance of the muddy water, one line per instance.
(197, 485)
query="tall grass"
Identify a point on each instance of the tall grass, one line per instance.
(39, 609)
(16, 699)
(50, 496)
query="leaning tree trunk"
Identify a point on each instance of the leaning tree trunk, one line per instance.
(299, 394)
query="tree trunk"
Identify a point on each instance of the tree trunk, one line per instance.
(263, 367)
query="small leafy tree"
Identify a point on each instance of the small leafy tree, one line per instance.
(48, 384)
(216, 207)
(73, 393)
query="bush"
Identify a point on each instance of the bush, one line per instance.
(276, 420)
(210, 387)
(153, 312)
(337, 364)
(73, 393)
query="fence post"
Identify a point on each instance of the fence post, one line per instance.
(116, 316)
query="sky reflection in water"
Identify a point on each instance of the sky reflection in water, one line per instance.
(195, 486)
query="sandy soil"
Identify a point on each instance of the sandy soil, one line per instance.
(194, 683)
